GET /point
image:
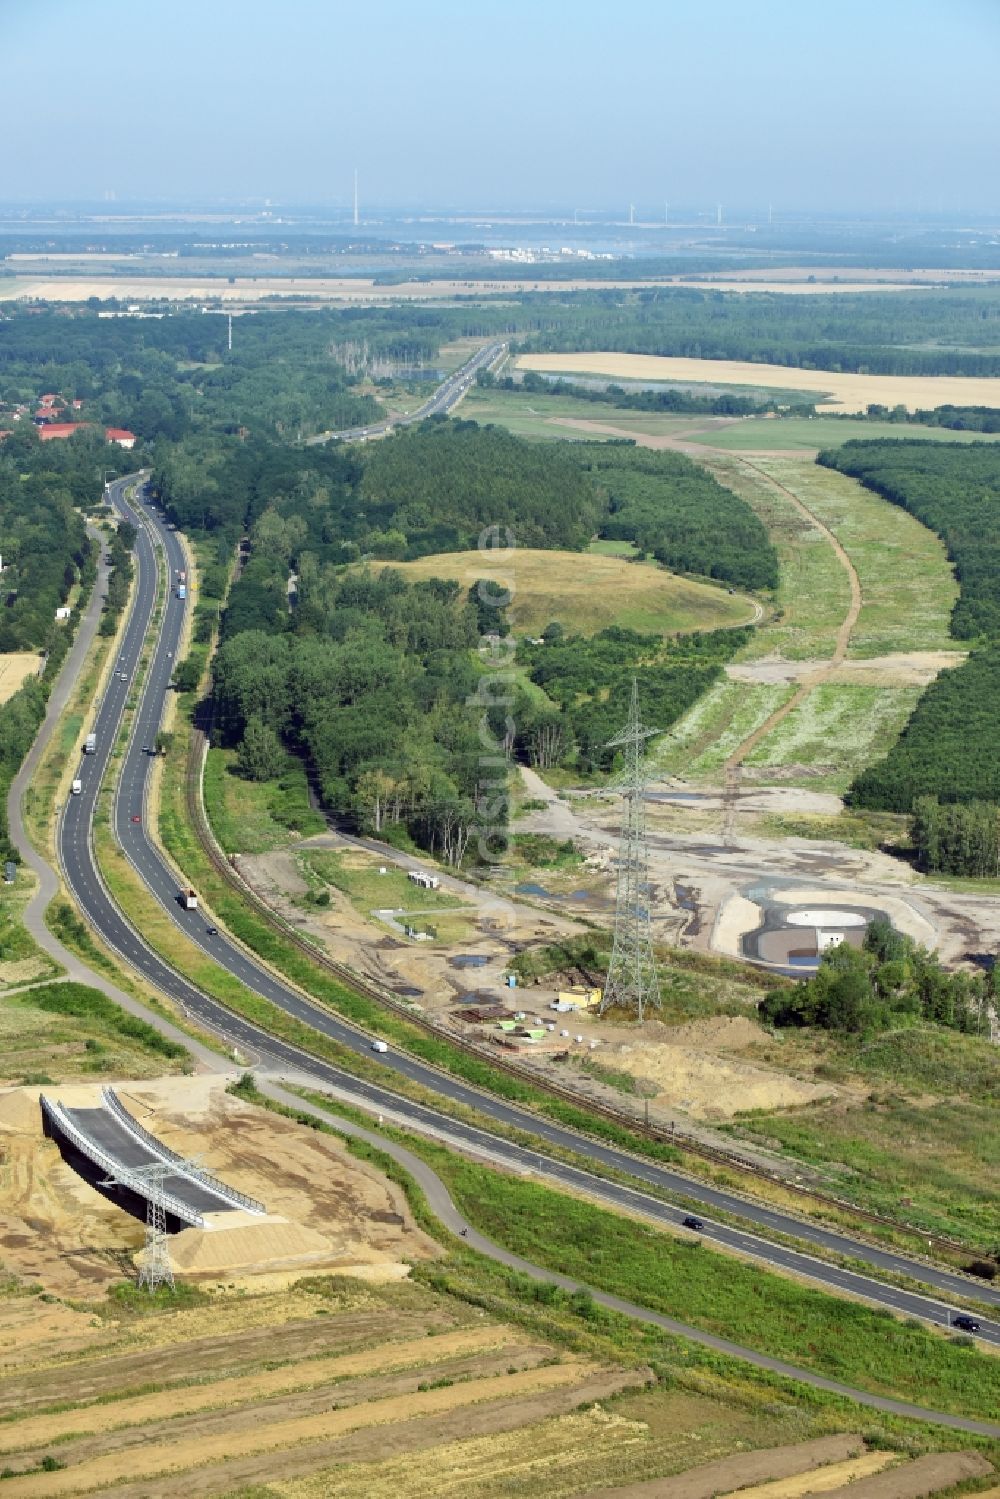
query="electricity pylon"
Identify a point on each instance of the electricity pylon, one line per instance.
(155, 1268)
(631, 982)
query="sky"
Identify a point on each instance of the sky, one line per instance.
(868, 105)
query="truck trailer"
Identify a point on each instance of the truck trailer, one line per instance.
(182, 590)
(189, 899)
(90, 745)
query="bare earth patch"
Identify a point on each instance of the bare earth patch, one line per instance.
(899, 668)
(325, 1208)
(15, 669)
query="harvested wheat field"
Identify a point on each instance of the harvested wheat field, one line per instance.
(843, 392)
(587, 591)
(15, 669)
(326, 1209)
(199, 1399)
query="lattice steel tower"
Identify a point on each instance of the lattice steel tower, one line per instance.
(632, 981)
(155, 1268)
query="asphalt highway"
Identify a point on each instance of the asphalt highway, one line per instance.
(445, 397)
(139, 847)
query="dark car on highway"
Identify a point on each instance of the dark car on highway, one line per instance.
(691, 1222)
(966, 1323)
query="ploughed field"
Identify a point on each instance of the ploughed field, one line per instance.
(332, 1389)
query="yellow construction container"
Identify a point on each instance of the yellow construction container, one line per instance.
(579, 998)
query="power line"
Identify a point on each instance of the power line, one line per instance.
(155, 1268)
(632, 983)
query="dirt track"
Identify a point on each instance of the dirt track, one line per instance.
(822, 673)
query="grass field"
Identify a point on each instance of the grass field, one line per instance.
(907, 583)
(356, 874)
(907, 592)
(846, 392)
(252, 817)
(755, 433)
(338, 1389)
(699, 745)
(219, 1389)
(942, 1155)
(682, 1277)
(839, 728)
(536, 415)
(919, 1138)
(813, 591)
(22, 961)
(62, 1031)
(588, 591)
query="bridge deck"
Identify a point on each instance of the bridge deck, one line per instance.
(113, 1140)
(118, 1142)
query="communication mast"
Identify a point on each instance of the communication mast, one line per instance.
(230, 333)
(632, 983)
(356, 197)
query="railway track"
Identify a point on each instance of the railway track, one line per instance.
(495, 1057)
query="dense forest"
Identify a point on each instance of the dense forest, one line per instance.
(956, 838)
(43, 540)
(927, 333)
(293, 373)
(675, 511)
(588, 684)
(949, 749)
(437, 487)
(376, 704)
(167, 376)
(426, 489)
(891, 981)
(954, 489)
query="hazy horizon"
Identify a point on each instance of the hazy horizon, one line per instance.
(884, 108)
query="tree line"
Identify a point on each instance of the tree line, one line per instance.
(947, 332)
(949, 750)
(675, 511)
(587, 684)
(378, 705)
(891, 981)
(956, 837)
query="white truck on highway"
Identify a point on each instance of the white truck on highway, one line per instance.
(189, 899)
(90, 745)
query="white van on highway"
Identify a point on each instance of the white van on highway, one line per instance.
(380, 1046)
(77, 787)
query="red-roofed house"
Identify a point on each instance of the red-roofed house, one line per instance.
(121, 436)
(59, 429)
(49, 400)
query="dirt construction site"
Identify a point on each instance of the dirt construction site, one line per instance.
(312, 1366)
(448, 952)
(325, 1209)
